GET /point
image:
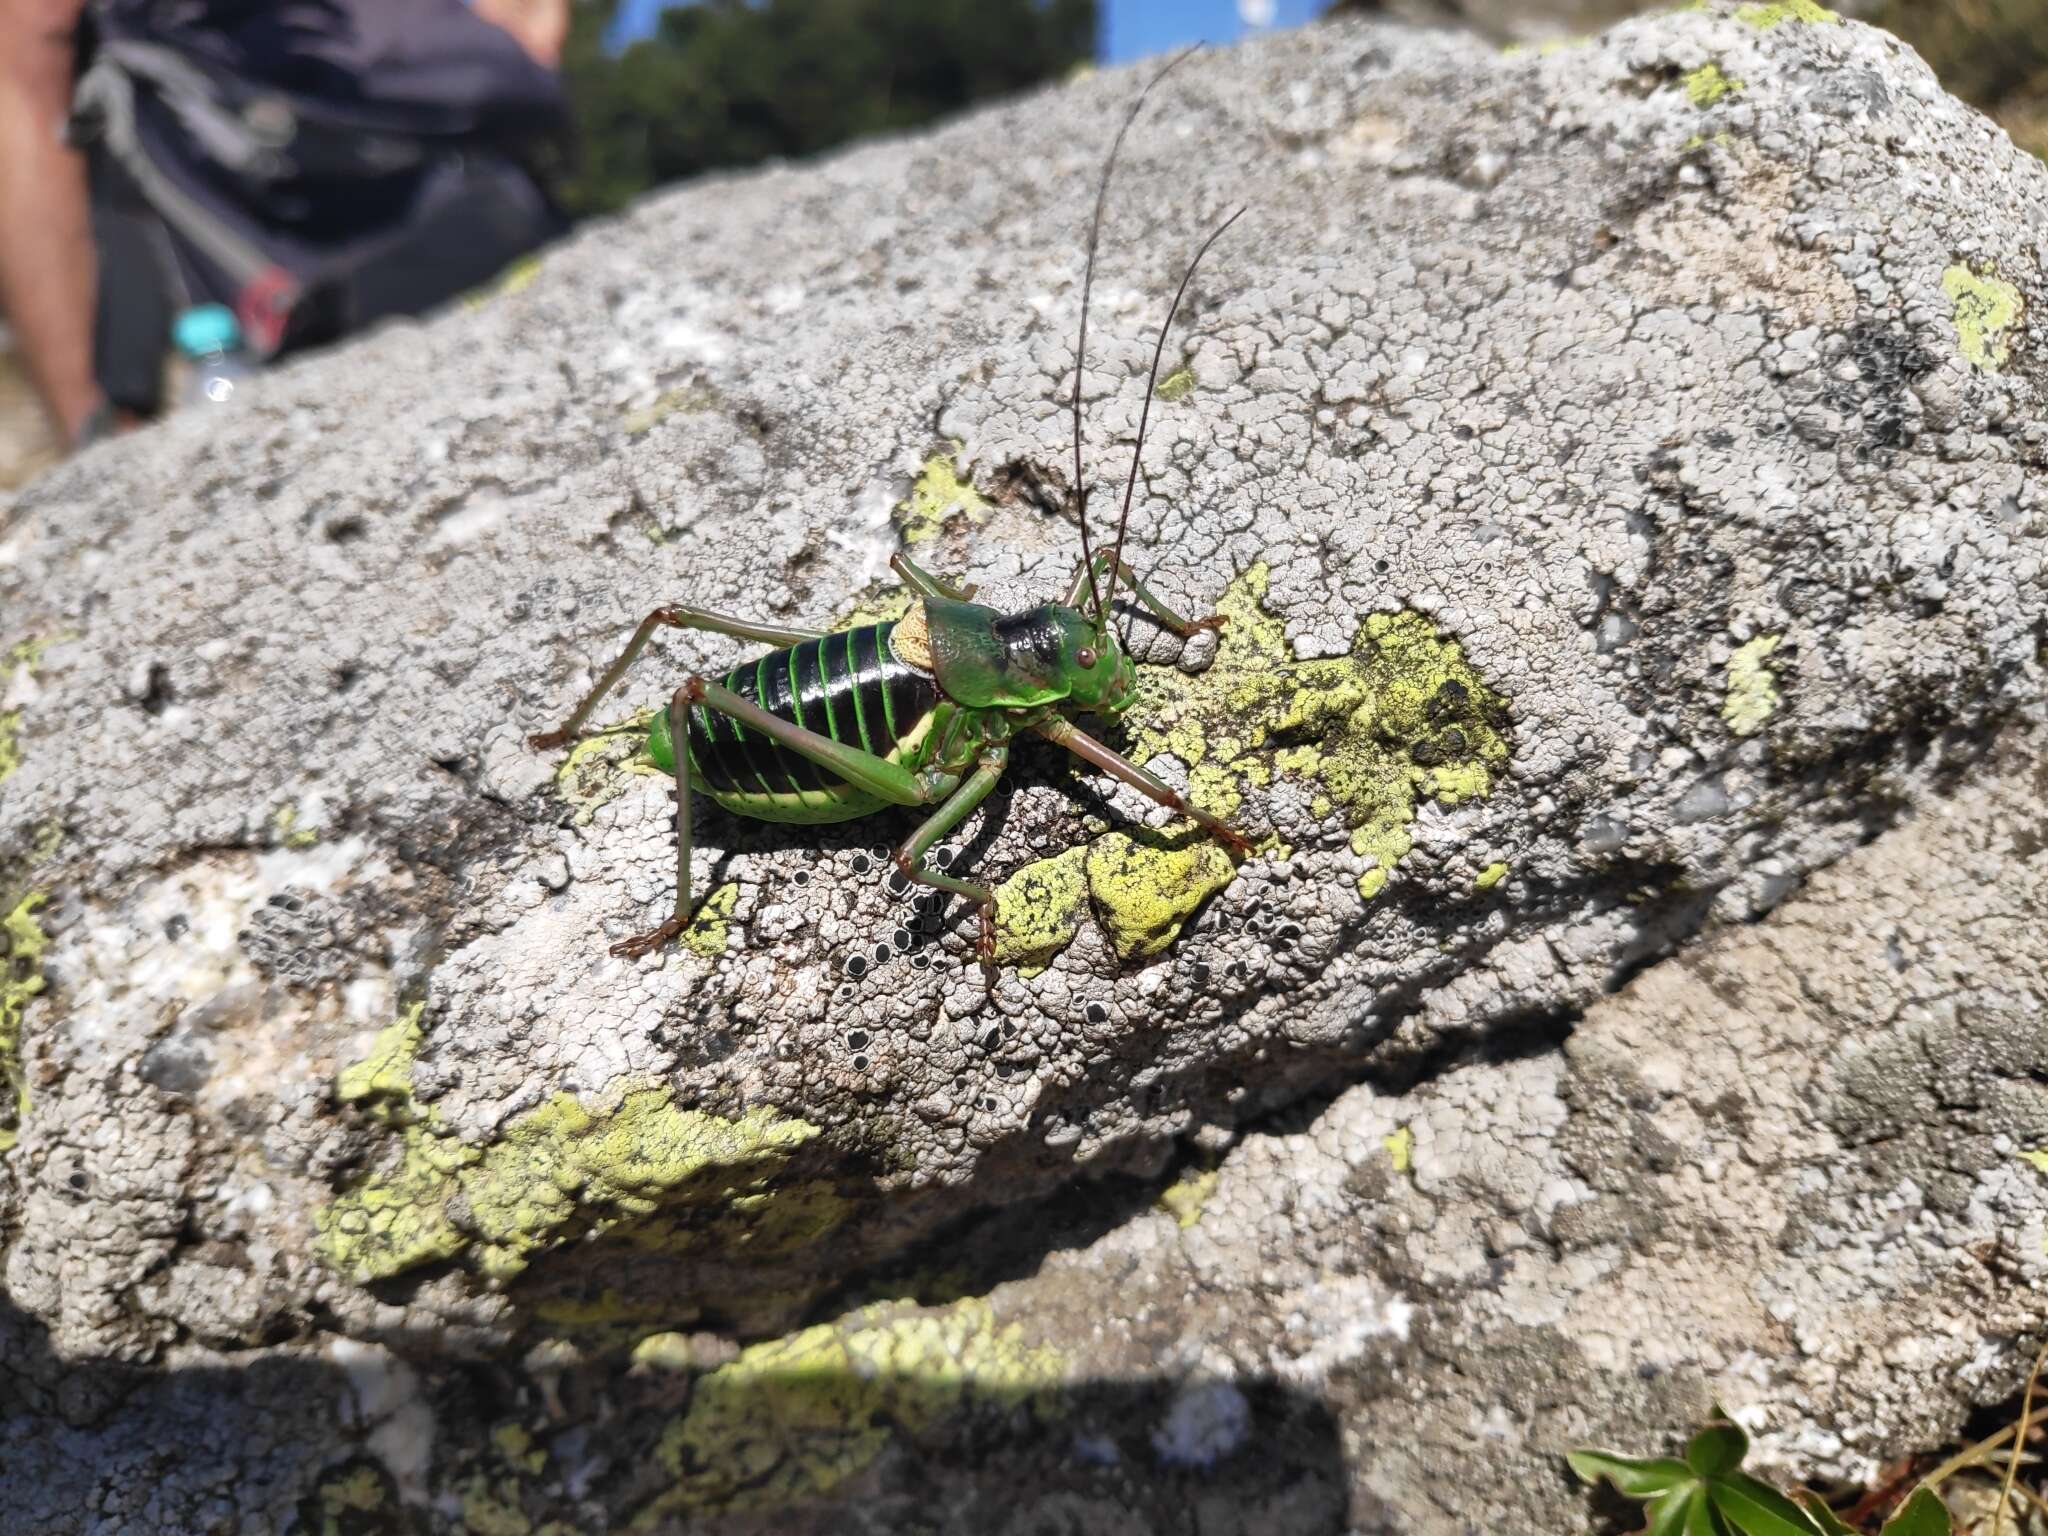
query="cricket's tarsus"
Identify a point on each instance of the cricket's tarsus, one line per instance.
(916, 712)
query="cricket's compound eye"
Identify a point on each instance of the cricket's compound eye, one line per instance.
(1085, 657)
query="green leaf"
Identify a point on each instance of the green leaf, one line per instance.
(1717, 1450)
(1672, 1514)
(1922, 1515)
(1638, 1478)
(1756, 1510)
(1702, 1521)
(1818, 1512)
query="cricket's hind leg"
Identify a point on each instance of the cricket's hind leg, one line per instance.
(645, 943)
(670, 617)
(910, 858)
(864, 770)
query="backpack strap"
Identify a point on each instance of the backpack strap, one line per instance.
(103, 114)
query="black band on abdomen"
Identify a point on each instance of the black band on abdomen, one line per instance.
(848, 686)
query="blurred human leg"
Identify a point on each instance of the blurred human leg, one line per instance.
(47, 267)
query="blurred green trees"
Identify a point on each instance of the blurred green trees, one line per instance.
(730, 82)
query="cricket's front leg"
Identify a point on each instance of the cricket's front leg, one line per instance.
(1145, 597)
(1088, 749)
(910, 858)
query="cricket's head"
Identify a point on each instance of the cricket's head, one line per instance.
(1093, 663)
(1049, 655)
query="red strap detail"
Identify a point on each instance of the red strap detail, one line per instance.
(264, 307)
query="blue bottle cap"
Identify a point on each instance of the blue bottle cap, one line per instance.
(205, 328)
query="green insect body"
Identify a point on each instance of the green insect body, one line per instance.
(849, 686)
(917, 712)
(964, 680)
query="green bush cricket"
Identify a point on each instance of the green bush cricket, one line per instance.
(919, 711)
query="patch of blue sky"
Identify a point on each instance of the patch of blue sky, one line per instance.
(1131, 29)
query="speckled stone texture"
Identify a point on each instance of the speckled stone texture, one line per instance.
(1623, 469)
(1785, 1170)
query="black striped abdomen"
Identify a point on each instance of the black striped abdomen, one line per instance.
(847, 686)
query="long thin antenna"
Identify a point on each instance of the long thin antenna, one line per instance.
(1145, 415)
(1087, 287)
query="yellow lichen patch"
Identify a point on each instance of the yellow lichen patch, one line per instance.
(1752, 694)
(667, 1351)
(598, 767)
(1706, 85)
(27, 655)
(1781, 11)
(381, 1083)
(1177, 385)
(493, 1511)
(564, 1165)
(669, 403)
(1400, 1145)
(878, 603)
(793, 1418)
(514, 1443)
(1490, 876)
(709, 925)
(359, 1488)
(560, 1172)
(1985, 308)
(22, 943)
(1039, 909)
(1146, 885)
(399, 1220)
(355, 1498)
(284, 826)
(1402, 718)
(1184, 1198)
(937, 496)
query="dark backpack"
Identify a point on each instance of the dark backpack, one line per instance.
(316, 165)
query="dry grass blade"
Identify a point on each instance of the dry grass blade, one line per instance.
(2012, 1466)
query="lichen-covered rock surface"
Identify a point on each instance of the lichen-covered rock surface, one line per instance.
(1622, 469)
(1797, 1169)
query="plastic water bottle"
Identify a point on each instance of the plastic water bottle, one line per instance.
(211, 342)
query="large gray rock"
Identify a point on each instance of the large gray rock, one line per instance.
(1795, 1169)
(1622, 468)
